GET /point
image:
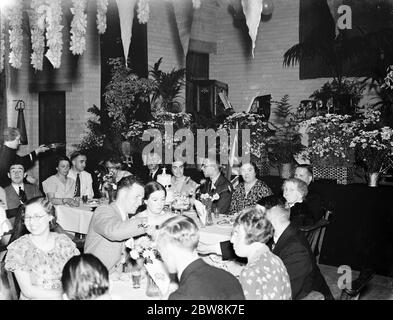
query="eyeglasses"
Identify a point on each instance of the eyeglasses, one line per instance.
(35, 218)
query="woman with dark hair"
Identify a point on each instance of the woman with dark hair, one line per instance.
(248, 192)
(59, 188)
(85, 278)
(181, 184)
(265, 276)
(155, 195)
(37, 258)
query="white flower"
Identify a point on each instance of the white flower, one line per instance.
(37, 28)
(196, 4)
(2, 41)
(130, 243)
(53, 32)
(215, 197)
(15, 15)
(134, 254)
(143, 11)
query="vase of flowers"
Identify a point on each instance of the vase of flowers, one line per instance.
(372, 149)
(142, 250)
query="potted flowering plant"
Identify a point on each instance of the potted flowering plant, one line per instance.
(259, 133)
(329, 146)
(143, 251)
(372, 149)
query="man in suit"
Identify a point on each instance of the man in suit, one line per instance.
(18, 192)
(8, 155)
(216, 184)
(83, 179)
(290, 244)
(313, 200)
(177, 239)
(111, 226)
(153, 161)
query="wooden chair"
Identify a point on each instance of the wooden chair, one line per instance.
(316, 232)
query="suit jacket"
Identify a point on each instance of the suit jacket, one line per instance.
(7, 157)
(301, 215)
(224, 189)
(108, 233)
(315, 204)
(12, 197)
(201, 281)
(294, 250)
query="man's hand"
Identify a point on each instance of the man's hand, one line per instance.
(30, 179)
(42, 148)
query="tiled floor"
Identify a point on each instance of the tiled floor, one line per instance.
(379, 288)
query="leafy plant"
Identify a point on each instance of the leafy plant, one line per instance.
(286, 142)
(167, 88)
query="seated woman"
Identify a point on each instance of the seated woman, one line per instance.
(37, 258)
(59, 188)
(265, 276)
(114, 167)
(181, 184)
(154, 199)
(294, 192)
(85, 278)
(248, 192)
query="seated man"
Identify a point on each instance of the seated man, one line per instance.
(18, 192)
(292, 247)
(216, 184)
(313, 200)
(111, 226)
(153, 163)
(177, 239)
(83, 179)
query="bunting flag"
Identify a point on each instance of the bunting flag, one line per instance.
(126, 15)
(233, 159)
(333, 7)
(184, 15)
(252, 10)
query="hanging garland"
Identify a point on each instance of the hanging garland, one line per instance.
(102, 7)
(143, 11)
(37, 26)
(2, 41)
(78, 27)
(53, 32)
(15, 15)
(196, 4)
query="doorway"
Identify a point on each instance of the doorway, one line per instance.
(52, 129)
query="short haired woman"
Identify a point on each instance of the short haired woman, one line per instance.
(37, 258)
(265, 276)
(59, 188)
(294, 192)
(85, 278)
(248, 192)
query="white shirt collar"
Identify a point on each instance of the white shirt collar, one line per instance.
(16, 187)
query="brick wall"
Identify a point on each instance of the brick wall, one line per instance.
(80, 78)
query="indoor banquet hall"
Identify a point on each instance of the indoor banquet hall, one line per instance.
(196, 150)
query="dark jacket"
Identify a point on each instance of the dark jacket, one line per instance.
(315, 204)
(294, 250)
(301, 215)
(9, 156)
(224, 189)
(201, 281)
(12, 197)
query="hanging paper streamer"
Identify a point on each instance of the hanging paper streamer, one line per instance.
(333, 7)
(184, 15)
(252, 10)
(126, 15)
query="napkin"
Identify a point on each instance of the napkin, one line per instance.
(201, 211)
(158, 273)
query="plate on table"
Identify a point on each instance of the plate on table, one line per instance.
(225, 222)
(56, 145)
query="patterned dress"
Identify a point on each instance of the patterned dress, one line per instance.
(240, 201)
(45, 267)
(266, 278)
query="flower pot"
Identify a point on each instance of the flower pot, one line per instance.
(373, 178)
(285, 170)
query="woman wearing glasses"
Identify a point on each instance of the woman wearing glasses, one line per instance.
(37, 258)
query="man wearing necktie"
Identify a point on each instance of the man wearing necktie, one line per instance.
(83, 179)
(18, 192)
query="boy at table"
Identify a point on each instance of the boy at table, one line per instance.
(177, 240)
(111, 226)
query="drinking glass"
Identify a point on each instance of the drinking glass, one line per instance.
(136, 276)
(84, 198)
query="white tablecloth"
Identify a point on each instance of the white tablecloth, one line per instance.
(74, 219)
(123, 290)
